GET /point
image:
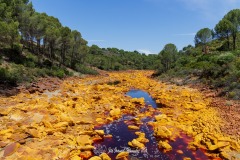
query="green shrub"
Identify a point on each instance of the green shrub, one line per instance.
(1, 59)
(17, 48)
(237, 64)
(59, 73)
(3, 74)
(29, 64)
(68, 73)
(237, 53)
(233, 85)
(204, 57)
(182, 61)
(225, 58)
(231, 94)
(32, 58)
(41, 72)
(47, 63)
(85, 70)
(11, 76)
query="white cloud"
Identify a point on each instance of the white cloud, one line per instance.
(185, 34)
(146, 51)
(211, 9)
(96, 40)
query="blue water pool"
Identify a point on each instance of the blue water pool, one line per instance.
(141, 94)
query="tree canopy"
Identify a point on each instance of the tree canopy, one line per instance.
(203, 36)
(234, 18)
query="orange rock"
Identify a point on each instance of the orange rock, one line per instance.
(108, 136)
(136, 144)
(86, 154)
(10, 149)
(104, 156)
(100, 132)
(122, 155)
(179, 151)
(164, 145)
(95, 158)
(133, 127)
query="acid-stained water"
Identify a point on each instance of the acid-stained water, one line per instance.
(122, 135)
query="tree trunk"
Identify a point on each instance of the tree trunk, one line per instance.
(50, 52)
(38, 50)
(72, 57)
(234, 41)
(62, 55)
(228, 42)
(44, 46)
(32, 48)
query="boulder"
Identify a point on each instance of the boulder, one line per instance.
(104, 156)
(115, 112)
(133, 127)
(136, 144)
(162, 132)
(122, 155)
(164, 145)
(100, 132)
(95, 158)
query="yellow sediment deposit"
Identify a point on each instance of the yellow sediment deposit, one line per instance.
(136, 144)
(133, 127)
(122, 155)
(104, 156)
(139, 142)
(164, 145)
(61, 126)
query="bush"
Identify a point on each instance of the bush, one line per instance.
(1, 59)
(68, 73)
(32, 58)
(11, 76)
(29, 64)
(59, 73)
(231, 94)
(225, 58)
(237, 53)
(237, 64)
(85, 70)
(3, 74)
(47, 63)
(182, 61)
(17, 48)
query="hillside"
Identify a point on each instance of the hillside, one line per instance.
(220, 70)
(61, 98)
(214, 61)
(34, 45)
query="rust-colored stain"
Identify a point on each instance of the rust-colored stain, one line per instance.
(62, 124)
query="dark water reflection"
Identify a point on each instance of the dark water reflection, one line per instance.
(122, 135)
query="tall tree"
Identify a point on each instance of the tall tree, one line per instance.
(234, 17)
(24, 24)
(36, 31)
(52, 35)
(168, 56)
(202, 37)
(65, 41)
(75, 46)
(38, 27)
(84, 50)
(9, 13)
(223, 30)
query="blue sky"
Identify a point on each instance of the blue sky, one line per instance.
(143, 25)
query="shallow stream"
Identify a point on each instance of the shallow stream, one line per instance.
(122, 135)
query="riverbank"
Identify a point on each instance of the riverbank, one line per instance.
(228, 109)
(60, 123)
